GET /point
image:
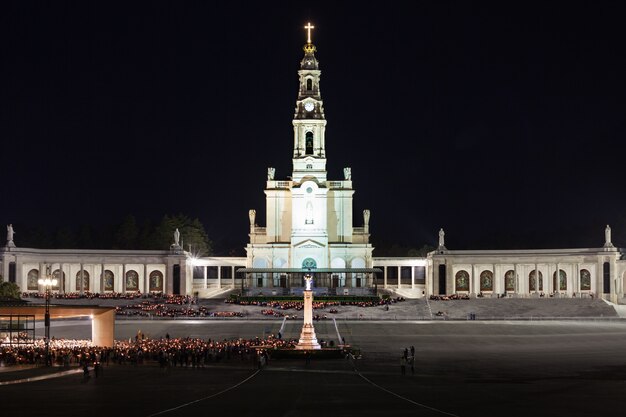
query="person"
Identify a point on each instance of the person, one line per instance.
(412, 350)
(85, 371)
(412, 364)
(405, 354)
(403, 365)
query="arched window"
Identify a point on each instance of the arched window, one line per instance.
(562, 284)
(309, 166)
(309, 213)
(585, 280)
(156, 281)
(461, 281)
(308, 143)
(107, 280)
(85, 281)
(509, 280)
(132, 281)
(309, 84)
(60, 277)
(486, 281)
(309, 263)
(32, 280)
(532, 282)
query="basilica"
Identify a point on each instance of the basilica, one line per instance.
(310, 227)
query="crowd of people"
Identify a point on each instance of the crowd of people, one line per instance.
(166, 351)
(299, 305)
(150, 309)
(449, 297)
(157, 296)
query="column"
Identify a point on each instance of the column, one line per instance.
(146, 283)
(232, 279)
(206, 283)
(42, 274)
(473, 281)
(558, 280)
(399, 276)
(63, 281)
(219, 276)
(385, 277)
(576, 283)
(123, 277)
(497, 287)
(101, 280)
(82, 283)
(516, 287)
(536, 279)
(412, 277)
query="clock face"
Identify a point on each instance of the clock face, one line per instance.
(309, 106)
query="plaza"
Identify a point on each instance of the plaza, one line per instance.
(463, 368)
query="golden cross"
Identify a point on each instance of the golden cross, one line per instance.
(308, 27)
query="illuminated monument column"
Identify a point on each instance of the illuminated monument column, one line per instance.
(308, 340)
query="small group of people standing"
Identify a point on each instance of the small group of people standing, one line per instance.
(407, 359)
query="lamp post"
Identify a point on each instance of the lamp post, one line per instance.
(48, 282)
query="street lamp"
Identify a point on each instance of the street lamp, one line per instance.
(47, 283)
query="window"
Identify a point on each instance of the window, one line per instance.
(308, 143)
(309, 84)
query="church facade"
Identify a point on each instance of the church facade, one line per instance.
(309, 222)
(310, 228)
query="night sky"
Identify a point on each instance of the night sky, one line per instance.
(501, 122)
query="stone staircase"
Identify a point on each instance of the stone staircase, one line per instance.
(489, 308)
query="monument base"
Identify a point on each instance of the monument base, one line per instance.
(308, 340)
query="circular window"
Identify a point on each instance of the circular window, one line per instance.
(309, 190)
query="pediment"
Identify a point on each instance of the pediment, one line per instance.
(309, 244)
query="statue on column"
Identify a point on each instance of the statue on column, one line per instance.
(252, 216)
(607, 237)
(366, 218)
(176, 237)
(10, 234)
(442, 235)
(347, 173)
(270, 173)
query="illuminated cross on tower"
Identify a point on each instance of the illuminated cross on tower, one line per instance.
(308, 27)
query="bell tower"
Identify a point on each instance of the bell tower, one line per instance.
(309, 123)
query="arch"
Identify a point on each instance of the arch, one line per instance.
(338, 279)
(155, 281)
(60, 277)
(486, 281)
(132, 280)
(85, 281)
(585, 280)
(108, 280)
(532, 282)
(308, 143)
(462, 281)
(509, 280)
(32, 280)
(562, 284)
(309, 84)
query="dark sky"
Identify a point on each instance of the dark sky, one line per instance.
(501, 122)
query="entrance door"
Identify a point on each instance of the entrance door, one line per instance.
(176, 280)
(335, 282)
(259, 282)
(442, 279)
(358, 282)
(283, 281)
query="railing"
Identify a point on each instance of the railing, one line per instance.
(283, 184)
(335, 184)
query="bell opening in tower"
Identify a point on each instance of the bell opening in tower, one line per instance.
(309, 143)
(309, 84)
